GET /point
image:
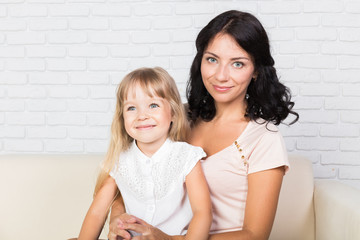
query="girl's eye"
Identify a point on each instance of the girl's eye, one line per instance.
(131, 108)
(154, 105)
(237, 64)
(211, 60)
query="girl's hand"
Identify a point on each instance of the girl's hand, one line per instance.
(117, 230)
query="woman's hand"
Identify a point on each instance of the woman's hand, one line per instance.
(117, 229)
(120, 222)
(149, 232)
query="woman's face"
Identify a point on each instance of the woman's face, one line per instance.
(226, 69)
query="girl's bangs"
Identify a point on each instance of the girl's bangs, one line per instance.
(151, 86)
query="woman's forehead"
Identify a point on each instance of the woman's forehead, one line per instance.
(225, 42)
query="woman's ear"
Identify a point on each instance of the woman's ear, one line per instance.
(255, 75)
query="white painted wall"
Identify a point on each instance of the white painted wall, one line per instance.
(60, 62)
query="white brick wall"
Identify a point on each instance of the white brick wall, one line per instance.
(60, 62)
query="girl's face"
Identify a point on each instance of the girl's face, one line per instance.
(226, 69)
(147, 119)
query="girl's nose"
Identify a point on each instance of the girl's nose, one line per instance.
(222, 73)
(142, 115)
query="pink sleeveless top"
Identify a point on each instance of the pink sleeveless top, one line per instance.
(259, 147)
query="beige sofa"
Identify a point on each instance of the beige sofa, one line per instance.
(47, 196)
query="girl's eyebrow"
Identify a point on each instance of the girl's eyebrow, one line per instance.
(126, 102)
(149, 100)
(233, 59)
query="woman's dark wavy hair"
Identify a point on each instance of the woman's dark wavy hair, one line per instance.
(268, 98)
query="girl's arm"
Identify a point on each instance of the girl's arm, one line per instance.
(261, 203)
(97, 213)
(199, 197)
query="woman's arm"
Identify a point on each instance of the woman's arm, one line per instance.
(118, 217)
(261, 203)
(199, 197)
(117, 208)
(96, 215)
(263, 193)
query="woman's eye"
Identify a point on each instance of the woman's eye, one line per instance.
(237, 64)
(154, 105)
(211, 60)
(131, 108)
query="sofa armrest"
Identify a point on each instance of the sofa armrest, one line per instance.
(46, 196)
(294, 218)
(337, 210)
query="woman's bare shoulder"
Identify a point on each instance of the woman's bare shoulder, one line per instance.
(196, 133)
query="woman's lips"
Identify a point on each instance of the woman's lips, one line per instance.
(221, 88)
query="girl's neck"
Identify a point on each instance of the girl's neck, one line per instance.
(149, 149)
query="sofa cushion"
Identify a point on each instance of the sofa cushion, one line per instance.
(47, 197)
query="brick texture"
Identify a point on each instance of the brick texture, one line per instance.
(61, 60)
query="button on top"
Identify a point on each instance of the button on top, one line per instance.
(151, 208)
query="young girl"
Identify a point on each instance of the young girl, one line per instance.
(160, 178)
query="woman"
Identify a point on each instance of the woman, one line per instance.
(235, 100)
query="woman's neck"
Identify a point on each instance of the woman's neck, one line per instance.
(231, 112)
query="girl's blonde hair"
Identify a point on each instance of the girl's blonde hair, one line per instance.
(155, 82)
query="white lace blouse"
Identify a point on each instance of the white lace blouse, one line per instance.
(153, 188)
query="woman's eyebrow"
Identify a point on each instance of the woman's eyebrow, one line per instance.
(211, 53)
(233, 59)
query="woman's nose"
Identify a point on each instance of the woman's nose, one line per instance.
(222, 73)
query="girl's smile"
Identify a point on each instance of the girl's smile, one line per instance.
(145, 127)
